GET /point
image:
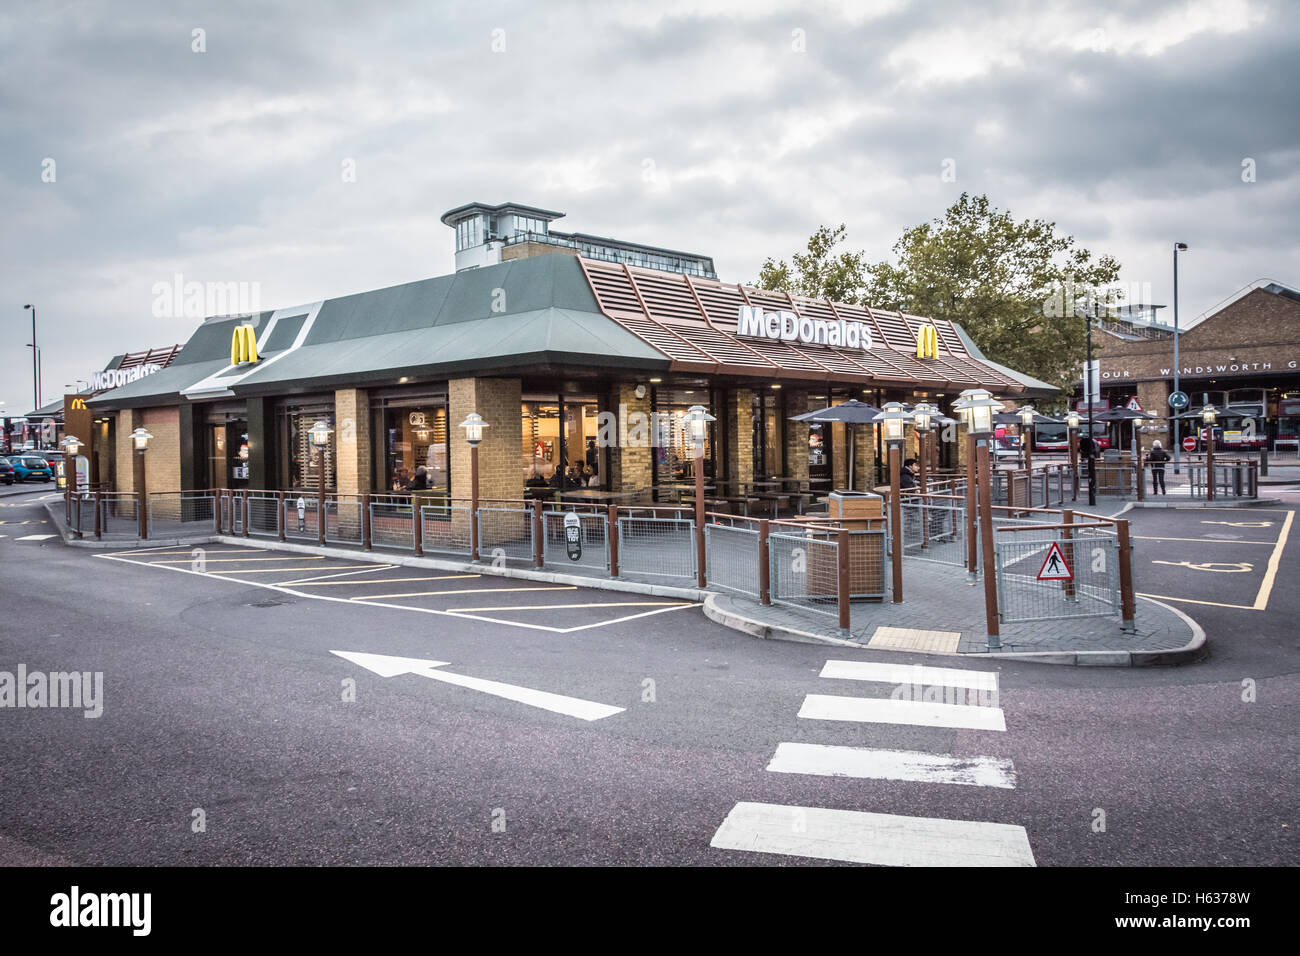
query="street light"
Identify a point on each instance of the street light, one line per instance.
(473, 425)
(1209, 415)
(36, 378)
(140, 439)
(319, 433)
(1178, 247)
(697, 420)
(70, 444)
(1026, 416)
(979, 406)
(893, 419)
(1072, 425)
(923, 416)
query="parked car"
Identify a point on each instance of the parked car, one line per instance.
(31, 468)
(6, 471)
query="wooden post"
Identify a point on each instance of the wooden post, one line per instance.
(991, 618)
(925, 488)
(216, 510)
(142, 530)
(1127, 602)
(972, 542)
(1028, 441)
(1067, 519)
(320, 499)
(896, 517)
(764, 564)
(280, 520)
(539, 534)
(243, 504)
(99, 515)
(473, 502)
(365, 523)
(700, 575)
(1209, 465)
(1140, 474)
(611, 535)
(417, 527)
(842, 577)
(1074, 464)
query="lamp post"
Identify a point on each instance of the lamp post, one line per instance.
(893, 424)
(1088, 390)
(1072, 427)
(697, 420)
(36, 383)
(1178, 450)
(473, 425)
(923, 415)
(1026, 416)
(980, 405)
(140, 439)
(1209, 415)
(319, 433)
(71, 444)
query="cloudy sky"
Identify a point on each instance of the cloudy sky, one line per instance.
(308, 149)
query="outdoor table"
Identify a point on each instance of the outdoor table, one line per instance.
(598, 496)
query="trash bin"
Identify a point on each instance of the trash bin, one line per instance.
(857, 511)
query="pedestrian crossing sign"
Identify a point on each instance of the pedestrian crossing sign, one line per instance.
(1054, 567)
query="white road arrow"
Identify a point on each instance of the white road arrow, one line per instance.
(386, 666)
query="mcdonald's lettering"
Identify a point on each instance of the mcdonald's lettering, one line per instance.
(927, 342)
(243, 345)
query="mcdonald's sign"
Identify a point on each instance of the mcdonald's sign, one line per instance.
(243, 345)
(78, 404)
(927, 342)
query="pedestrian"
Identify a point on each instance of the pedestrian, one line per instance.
(907, 480)
(1157, 459)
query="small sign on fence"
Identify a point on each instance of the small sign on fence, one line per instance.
(573, 536)
(1054, 567)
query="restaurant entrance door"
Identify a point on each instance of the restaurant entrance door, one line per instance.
(228, 453)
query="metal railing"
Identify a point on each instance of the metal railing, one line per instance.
(593, 538)
(934, 528)
(657, 547)
(181, 512)
(505, 530)
(734, 554)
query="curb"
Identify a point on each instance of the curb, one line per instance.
(1216, 504)
(1189, 652)
(55, 511)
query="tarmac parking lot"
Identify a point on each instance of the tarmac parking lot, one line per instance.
(535, 605)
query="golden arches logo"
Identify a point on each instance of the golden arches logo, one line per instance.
(243, 345)
(78, 404)
(927, 342)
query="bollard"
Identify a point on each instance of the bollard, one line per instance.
(842, 578)
(1263, 462)
(1127, 601)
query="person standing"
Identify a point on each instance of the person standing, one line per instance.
(1157, 458)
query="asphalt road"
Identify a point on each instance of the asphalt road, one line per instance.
(223, 704)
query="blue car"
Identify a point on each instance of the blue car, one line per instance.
(31, 468)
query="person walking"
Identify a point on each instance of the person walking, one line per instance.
(1157, 458)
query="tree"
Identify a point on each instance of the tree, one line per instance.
(1011, 285)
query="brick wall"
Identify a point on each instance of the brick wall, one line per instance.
(128, 419)
(740, 433)
(796, 436)
(629, 465)
(527, 250)
(500, 458)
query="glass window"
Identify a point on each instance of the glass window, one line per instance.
(416, 436)
(302, 470)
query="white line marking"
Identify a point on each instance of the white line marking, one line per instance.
(326, 567)
(883, 839)
(864, 763)
(552, 607)
(314, 557)
(619, 620)
(333, 584)
(915, 712)
(35, 537)
(387, 666)
(911, 674)
(343, 574)
(364, 598)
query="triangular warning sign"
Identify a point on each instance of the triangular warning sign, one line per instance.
(1054, 567)
(1134, 405)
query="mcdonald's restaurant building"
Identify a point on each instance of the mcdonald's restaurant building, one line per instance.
(571, 361)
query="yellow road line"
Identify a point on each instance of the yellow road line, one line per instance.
(545, 607)
(1166, 597)
(328, 584)
(314, 557)
(1156, 537)
(326, 567)
(1275, 559)
(379, 597)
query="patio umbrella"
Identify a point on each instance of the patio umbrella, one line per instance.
(852, 412)
(1125, 414)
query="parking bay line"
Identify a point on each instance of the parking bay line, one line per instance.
(312, 557)
(319, 583)
(149, 552)
(327, 567)
(370, 603)
(343, 574)
(380, 597)
(545, 607)
(1157, 537)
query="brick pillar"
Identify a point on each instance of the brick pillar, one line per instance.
(839, 455)
(162, 460)
(128, 420)
(796, 437)
(352, 440)
(1154, 397)
(501, 471)
(740, 433)
(629, 437)
(962, 446)
(864, 453)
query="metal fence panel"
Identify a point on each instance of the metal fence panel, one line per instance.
(660, 547)
(804, 570)
(262, 513)
(731, 558)
(343, 520)
(301, 525)
(182, 513)
(392, 525)
(595, 540)
(446, 529)
(505, 533)
(120, 516)
(1093, 592)
(934, 531)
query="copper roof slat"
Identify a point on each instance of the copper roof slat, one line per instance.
(793, 348)
(610, 313)
(693, 354)
(767, 362)
(772, 351)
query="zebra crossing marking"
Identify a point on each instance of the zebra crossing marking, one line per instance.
(908, 765)
(887, 711)
(911, 674)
